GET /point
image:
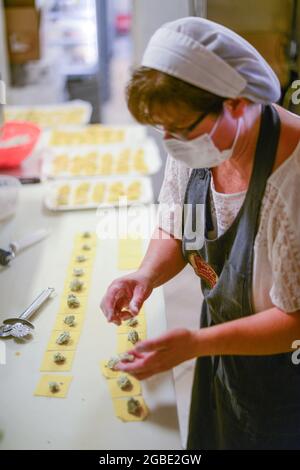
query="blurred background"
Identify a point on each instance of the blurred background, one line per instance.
(55, 51)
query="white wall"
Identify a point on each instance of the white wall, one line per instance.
(148, 15)
(3, 55)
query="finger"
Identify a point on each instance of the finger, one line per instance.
(122, 302)
(115, 319)
(108, 304)
(128, 312)
(145, 375)
(137, 299)
(112, 295)
(139, 365)
(121, 299)
(129, 367)
(121, 315)
(136, 355)
(125, 315)
(148, 345)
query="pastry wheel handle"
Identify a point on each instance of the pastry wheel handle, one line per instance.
(36, 303)
(28, 240)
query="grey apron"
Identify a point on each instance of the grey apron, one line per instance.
(239, 402)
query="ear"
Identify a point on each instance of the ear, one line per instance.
(236, 107)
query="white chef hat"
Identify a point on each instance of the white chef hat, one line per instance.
(212, 57)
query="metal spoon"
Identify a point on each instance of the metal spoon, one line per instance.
(20, 327)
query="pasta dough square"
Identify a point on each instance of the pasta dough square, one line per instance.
(88, 261)
(42, 389)
(120, 407)
(107, 372)
(123, 344)
(124, 328)
(79, 249)
(64, 309)
(70, 346)
(83, 292)
(117, 392)
(85, 276)
(48, 364)
(61, 325)
(90, 240)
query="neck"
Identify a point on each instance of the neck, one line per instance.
(234, 174)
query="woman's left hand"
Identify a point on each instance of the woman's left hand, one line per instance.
(157, 355)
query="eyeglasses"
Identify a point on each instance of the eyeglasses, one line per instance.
(182, 134)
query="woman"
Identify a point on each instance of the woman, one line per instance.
(238, 154)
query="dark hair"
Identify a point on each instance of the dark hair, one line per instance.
(148, 87)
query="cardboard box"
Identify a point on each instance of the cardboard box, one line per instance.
(268, 29)
(23, 34)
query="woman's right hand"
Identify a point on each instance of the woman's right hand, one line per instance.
(125, 297)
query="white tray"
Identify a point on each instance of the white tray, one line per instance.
(76, 112)
(52, 188)
(151, 157)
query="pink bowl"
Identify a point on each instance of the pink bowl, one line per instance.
(11, 157)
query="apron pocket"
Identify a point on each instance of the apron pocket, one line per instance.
(227, 300)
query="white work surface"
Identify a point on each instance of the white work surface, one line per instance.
(85, 419)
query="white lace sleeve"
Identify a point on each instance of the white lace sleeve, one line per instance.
(171, 196)
(284, 250)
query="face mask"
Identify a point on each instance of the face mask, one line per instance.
(200, 152)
